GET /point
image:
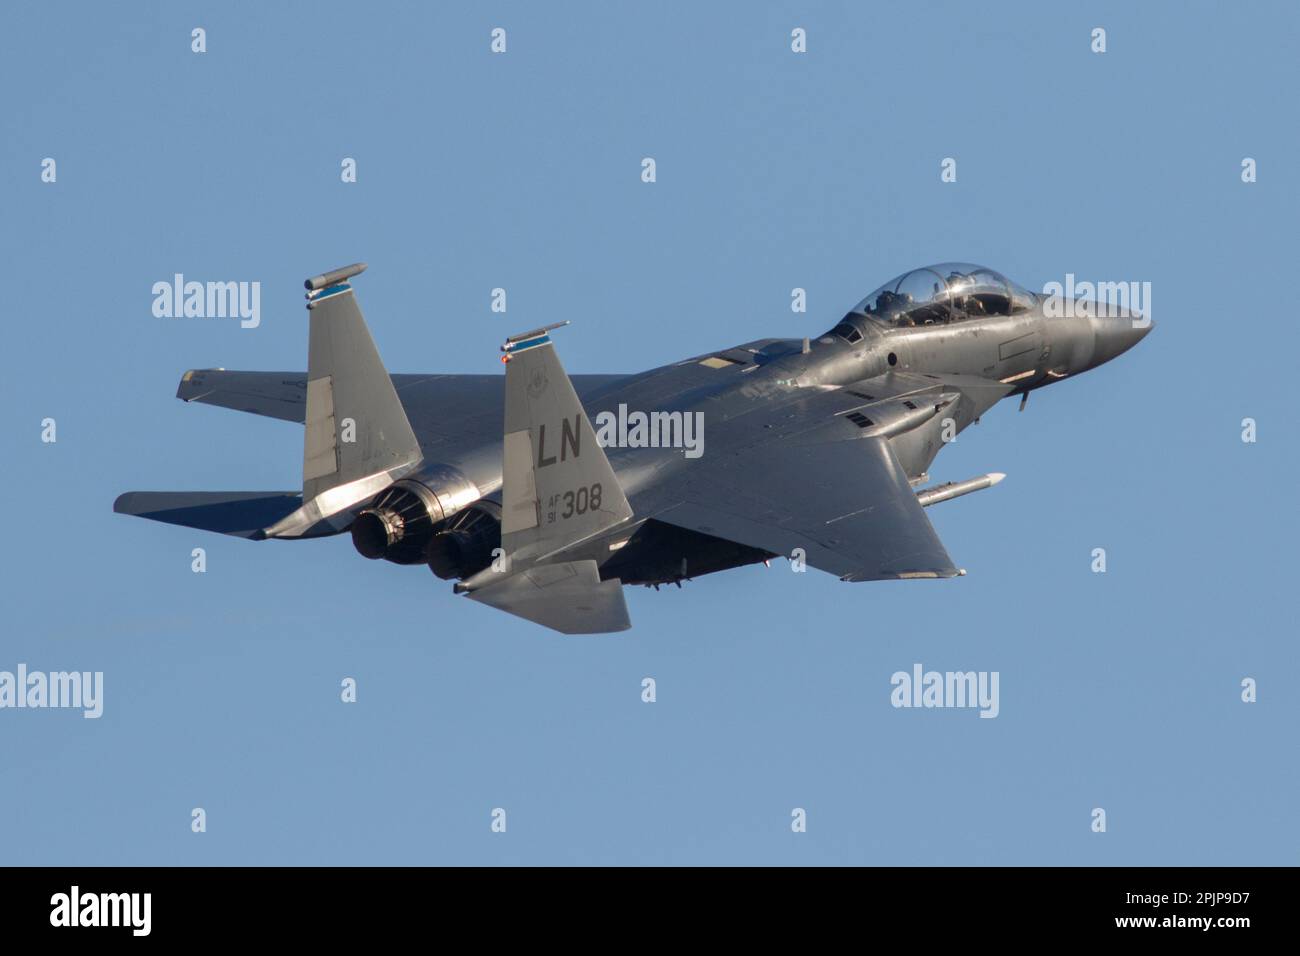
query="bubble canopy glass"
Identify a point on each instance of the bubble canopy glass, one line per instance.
(938, 294)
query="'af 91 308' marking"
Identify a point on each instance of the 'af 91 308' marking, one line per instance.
(567, 504)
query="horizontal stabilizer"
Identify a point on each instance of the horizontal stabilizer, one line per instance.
(240, 513)
(281, 395)
(439, 407)
(569, 598)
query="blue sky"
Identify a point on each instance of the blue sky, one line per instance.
(1118, 690)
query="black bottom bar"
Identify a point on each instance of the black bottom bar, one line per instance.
(212, 905)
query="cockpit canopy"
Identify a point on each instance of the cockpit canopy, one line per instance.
(937, 295)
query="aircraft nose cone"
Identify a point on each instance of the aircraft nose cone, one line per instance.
(1115, 335)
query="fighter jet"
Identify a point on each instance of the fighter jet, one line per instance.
(813, 449)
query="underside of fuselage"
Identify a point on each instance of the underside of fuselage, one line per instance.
(658, 553)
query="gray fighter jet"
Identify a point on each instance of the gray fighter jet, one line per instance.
(816, 450)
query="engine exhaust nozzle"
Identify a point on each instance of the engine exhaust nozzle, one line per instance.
(375, 531)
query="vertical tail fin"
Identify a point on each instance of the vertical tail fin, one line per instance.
(357, 439)
(557, 485)
(557, 490)
(356, 426)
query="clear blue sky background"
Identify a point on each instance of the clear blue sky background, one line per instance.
(821, 171)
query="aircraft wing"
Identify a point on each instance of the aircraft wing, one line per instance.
(824, 474)
(847, 504)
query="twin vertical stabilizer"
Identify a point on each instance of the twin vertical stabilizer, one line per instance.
(357, 439)
(558, 490)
